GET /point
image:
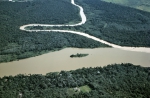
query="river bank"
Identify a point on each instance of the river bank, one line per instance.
(60, 60)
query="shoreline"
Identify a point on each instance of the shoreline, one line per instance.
(60, 60)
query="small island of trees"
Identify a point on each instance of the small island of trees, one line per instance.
(78, 55)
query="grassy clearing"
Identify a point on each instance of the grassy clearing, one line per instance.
(84, 89)
(117, 1)
(71, 92)
(138, 4)
(144, 8)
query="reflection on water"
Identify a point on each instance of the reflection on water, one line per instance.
(60, 60)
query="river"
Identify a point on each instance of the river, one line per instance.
(83, 20)
(60, 60)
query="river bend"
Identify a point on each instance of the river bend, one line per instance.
(83, 20)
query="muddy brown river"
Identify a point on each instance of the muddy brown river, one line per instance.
(60, 60)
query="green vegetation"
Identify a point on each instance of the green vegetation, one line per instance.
(38, 43)
(111, 81)
(114, 23)
(78, 55)
(16, 44)
(139, 4)
(85, 89)
(77, 90)
(37, 11)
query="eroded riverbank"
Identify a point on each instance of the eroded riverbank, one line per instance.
(60, 60)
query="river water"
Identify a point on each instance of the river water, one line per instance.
(60, 60)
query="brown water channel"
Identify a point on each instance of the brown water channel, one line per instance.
(60, 60)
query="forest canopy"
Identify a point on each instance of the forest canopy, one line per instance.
(116, 24)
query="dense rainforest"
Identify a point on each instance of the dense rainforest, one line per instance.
(111, 81)
(117, 24)
(35, 44)
(16, 44)
(114, 23)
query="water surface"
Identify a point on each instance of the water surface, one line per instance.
(60, 60)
